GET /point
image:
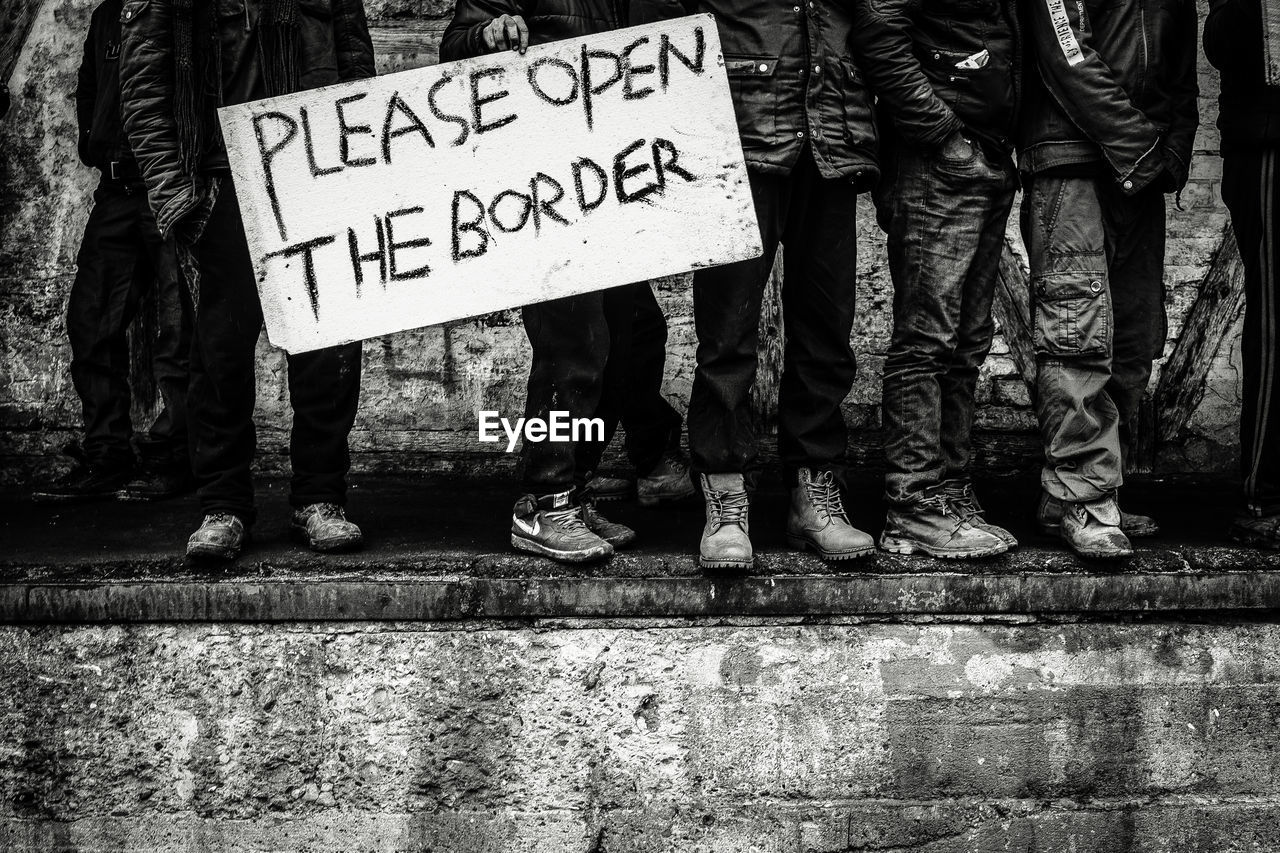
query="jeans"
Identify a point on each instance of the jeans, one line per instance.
(598, 354)
(945, 220)
(324, 385)
(1097, 276)
(814, 219)
(1250, 181)
(122, 258)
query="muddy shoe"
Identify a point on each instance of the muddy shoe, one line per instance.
(932, 526)
(617, 535)
(219, 537)
(553, 526)
(668, 481)
(1092, 529)
(1256, 531)
(817, 520)
(87, 481)
(324, 528)
(156, 481)
(965, 503)
(725, 542)
(610, 488)
(1049, 519)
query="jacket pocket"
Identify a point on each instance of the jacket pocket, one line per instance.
(859, 114)
(1072, 313)
(131, 10)
(755, 101)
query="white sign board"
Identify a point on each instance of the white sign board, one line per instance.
(460, 189)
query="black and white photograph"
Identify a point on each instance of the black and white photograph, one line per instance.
(639, 426)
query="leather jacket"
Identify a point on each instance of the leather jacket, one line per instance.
(333, 46)
(942, 66)
(1115, 89)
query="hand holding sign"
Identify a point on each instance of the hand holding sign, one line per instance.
(465, 188)
(506, 32)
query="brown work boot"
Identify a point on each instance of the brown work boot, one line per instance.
(617, 535)
(725, 543)
(933, 526)
(325, 529)
(1092, 529)
(818, 521)
(1049, 519)
(965, 503)
(1257, 531)
(668, 481)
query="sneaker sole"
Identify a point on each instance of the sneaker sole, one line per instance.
(586, 556)
(51, 498)
(334, 546)
(898, 545)
(799, 543)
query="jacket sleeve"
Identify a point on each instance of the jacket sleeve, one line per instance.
(87, 88)
(354, 44)
(462, 38)
(1184, 95)
(147, 109)
(1087, 91)
(885, 51)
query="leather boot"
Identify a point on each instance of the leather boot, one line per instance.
(1049, 519)
(1092, 529)
(817, 519)
(725, 543)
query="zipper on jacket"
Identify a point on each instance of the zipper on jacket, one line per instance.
(1142, 25)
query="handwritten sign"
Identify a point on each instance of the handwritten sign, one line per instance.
(460, 189)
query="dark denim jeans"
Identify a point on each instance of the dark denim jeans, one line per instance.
(122, 260)
(1097, 278)
(598, 354)
(814, 218)
(945, 220)
(324, 385)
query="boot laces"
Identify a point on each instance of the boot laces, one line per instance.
(330, 511)
(964, 501)
(728, 508)
(219, 518)
(824, 494)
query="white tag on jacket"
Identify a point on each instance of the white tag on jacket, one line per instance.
(974, 62)
(1062, 29)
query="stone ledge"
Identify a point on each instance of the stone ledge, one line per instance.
(437, 552)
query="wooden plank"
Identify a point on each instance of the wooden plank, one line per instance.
(408, 37)
(772, 343)
(1210, 321)
(16, 17)
(1012, 310)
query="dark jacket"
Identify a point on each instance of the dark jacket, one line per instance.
(102, 140)
(940, 66)
(1248, 108)
(333, 46)
(548, 20)
(1116, 89)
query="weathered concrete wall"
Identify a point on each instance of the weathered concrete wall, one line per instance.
(941, 738)
(422, 389)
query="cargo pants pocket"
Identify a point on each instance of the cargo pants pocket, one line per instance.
(1073, 314)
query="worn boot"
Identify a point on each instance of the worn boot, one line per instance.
(86, 481)
(617, 535)
(1257, 531)
(933, 526)
(324, 528)
(668, 481)
(1049, 519)
(219, 537)
(725, 543)
(1092, 529)
(157, 480)
(817, 519)
(965, 503)
(610, 488)
(553, 526)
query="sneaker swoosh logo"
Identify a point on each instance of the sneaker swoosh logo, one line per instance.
(531, 529)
